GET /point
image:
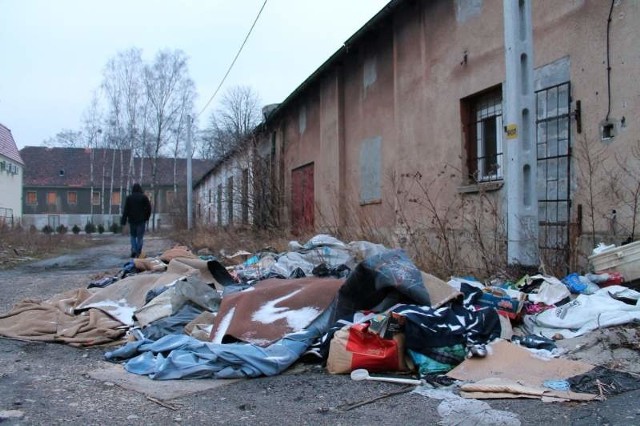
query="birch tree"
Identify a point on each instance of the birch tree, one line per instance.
(168, 87)
(124, 89)
(92, 122)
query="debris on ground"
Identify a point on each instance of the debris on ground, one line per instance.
(355, 306)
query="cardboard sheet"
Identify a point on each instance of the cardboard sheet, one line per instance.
(160, 389)
(509, 361)
(504, 388)
(439, 291)
(508, 368)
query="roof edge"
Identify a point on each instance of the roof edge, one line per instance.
(386, 11)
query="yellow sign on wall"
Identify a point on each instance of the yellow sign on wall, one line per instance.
(511, 130)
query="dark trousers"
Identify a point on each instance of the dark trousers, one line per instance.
(136, 230)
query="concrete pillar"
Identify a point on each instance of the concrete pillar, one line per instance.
(520, 145)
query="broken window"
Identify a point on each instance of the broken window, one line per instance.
(482, 121)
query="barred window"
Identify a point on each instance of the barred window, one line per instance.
(482, 121)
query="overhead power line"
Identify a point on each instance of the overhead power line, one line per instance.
(234, 59)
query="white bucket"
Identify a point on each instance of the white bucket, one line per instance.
(624, 259)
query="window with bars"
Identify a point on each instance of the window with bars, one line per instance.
(482, 122)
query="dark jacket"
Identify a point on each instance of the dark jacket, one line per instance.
(137, 208)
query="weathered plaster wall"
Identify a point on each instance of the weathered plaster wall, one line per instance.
(401, 86)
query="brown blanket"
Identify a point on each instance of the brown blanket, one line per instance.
(53, 321)
(273, 308)
(93, 317)
(122, 298)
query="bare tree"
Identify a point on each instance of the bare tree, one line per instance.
(65, 138)
(92, 122)
(124, 89)
(168, 87)
(592, 158)
(232, 123)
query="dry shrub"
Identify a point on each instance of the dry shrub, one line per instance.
(18, 245)
(228, 240)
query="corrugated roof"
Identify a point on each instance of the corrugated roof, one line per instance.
(71, 167)
(8, 146)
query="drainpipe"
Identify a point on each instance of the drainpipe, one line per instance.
(520, 146)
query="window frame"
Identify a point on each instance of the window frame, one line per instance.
(116, 198)
(69, 198)
(476, 112)
(35, 198)
(55, 198)
(95, 198)
(485, 173)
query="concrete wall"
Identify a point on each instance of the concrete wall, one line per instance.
(400, 89)
(206, 192)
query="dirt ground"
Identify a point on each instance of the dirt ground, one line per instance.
(55, 384)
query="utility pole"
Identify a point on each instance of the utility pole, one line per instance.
(520, 147)
(189, 176)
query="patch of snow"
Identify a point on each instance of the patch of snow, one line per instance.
(120, 310)
(297, 319)
(223, 326)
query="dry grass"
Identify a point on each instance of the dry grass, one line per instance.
(217, 240)
(19, 245)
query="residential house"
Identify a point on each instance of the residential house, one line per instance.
(76, 186)
(11, 171)
(401, 130)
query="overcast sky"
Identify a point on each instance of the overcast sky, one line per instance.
(53, 51)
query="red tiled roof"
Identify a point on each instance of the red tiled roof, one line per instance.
(71, 167)
(8, 146)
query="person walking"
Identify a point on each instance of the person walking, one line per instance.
(137, 211)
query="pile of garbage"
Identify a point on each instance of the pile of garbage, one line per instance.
(355, 307)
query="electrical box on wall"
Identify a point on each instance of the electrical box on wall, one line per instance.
(608, 130)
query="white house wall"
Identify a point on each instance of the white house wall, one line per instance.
(10, 190)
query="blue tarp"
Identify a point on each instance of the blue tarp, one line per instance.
(179, 356)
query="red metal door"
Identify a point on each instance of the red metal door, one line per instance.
(302, 199)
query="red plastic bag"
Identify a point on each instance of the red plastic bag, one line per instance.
(355, 347)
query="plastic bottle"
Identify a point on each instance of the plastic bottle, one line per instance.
(598, 278)
(589, 286)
